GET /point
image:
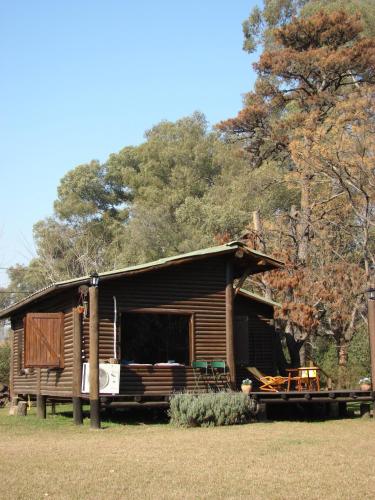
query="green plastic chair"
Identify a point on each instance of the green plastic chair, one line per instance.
(221, 374)
(200, 370)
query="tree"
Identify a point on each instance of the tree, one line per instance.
(259, 28)
(311, 67)
(342, 149)
(320, 60)
(134, 208)
(169, 177)
(88, 193)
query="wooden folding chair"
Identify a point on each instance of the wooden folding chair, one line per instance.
(269, 383)
(200, 370)
(220, 373)
(309, 379)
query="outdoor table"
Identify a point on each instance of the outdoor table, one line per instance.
(306, 377)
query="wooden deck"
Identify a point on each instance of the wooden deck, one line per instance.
(345, 396)
(268, 398)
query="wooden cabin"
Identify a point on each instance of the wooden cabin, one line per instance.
(155, 319)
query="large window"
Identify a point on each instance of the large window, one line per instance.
(44, 337)
(155, 338)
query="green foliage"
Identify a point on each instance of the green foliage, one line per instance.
(87, 193)
(358, 366)
(24, 279)
(257, 29)
(144, 203)
(325, 355)
(4, 361)
(209, 409)
(173, 170)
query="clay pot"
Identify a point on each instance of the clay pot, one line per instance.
(246, 388)
(365, 387)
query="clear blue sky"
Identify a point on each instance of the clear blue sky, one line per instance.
(82, 79)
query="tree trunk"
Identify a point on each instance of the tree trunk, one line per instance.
(303, 355)
(260, 242)
(294, 348)
(343, 364)
(303, 226)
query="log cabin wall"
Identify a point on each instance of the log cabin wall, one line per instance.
(53, 382)
(198, 287)
(261, 336)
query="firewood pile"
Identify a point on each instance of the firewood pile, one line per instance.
(4, 395)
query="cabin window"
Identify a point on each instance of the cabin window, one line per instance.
(44, 337)
(155, 338)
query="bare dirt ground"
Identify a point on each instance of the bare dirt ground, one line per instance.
(277, 460)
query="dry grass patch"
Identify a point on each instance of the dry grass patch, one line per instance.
(333, 459)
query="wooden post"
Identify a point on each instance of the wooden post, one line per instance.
(41, 406)
(229, 299)
(11, 367)
(371, 332)
(77, 368)
(94, 358)
(40, 400)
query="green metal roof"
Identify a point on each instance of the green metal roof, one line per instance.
(228, 247)
(231, 247)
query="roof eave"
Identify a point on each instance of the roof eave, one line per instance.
(254, 296)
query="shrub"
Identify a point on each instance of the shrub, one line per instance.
(4, 361)
(358, 357)
(209, 409)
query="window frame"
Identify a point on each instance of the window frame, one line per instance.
(167, 311)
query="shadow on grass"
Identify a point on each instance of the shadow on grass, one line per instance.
(123, 416)
(318, 412)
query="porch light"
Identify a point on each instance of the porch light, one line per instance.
(94, 279)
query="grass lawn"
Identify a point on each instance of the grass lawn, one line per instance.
(281, 460)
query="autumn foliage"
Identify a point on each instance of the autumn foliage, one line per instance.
(312, 115)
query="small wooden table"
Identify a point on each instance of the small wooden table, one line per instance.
(306, 378)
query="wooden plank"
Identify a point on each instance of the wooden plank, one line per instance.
(157, 310)
(20, 337)
(229, 298)
(11, 368)
(77, 368)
